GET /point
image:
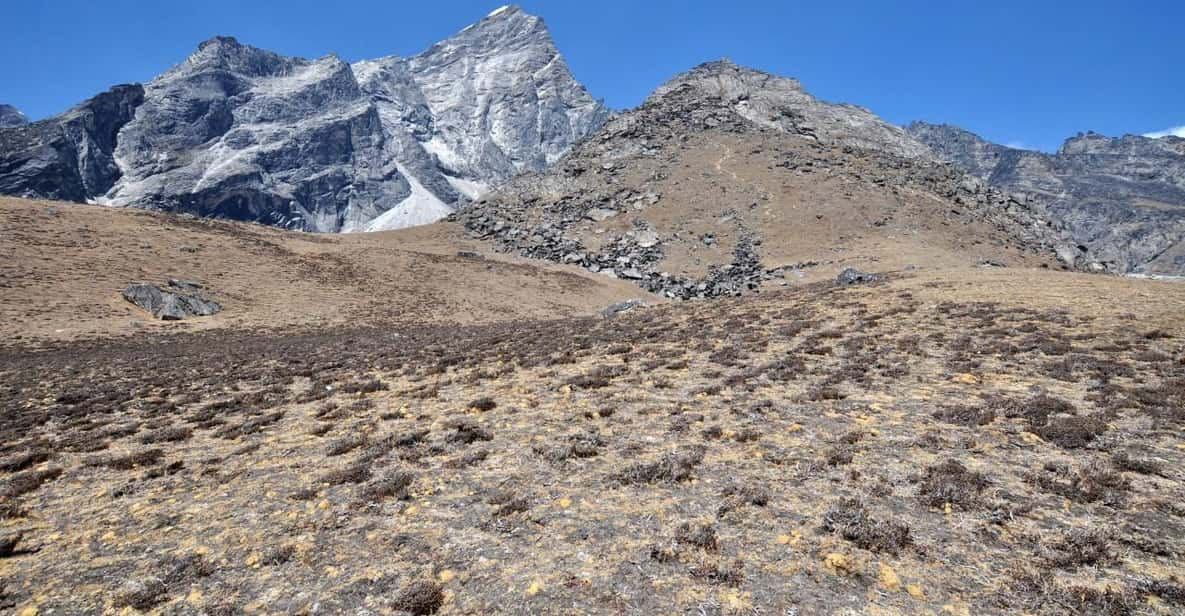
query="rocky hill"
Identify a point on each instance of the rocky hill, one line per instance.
(728, 179)
(1122, 198)
(242, 133)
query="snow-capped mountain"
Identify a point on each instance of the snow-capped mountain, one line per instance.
(324, 145)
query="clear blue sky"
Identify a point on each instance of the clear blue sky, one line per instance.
(1019, 72)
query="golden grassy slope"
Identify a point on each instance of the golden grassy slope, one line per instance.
(62, 267)
(968, 441)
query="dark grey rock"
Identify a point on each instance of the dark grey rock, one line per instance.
(180, 300)
(851, 276)
(185, 285)
(69, 157)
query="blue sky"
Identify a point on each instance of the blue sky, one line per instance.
(1029, 73)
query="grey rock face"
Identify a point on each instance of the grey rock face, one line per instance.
(11, 116)
(238, 132)
(502, 98)
(1123, 199)
(322, 145)
(179, 300)
(71, 156)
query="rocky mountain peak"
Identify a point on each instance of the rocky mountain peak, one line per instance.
(725, 81)
(728, 178)
(244, 133)
(781, 103)
(227, 53)
(511, 106)
(1092, 143)
(70, 156)
(11, 116)
(506, 28)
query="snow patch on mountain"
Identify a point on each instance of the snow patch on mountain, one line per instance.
(472, 190)
(420, 208)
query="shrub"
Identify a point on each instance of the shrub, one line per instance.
(951, 482)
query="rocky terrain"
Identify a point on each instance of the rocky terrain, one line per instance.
(411, 422)
(11, 116)
(1123, 198)
(241, 133)
(728, 180)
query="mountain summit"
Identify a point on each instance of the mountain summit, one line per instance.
(323, 145)
(11, 116)
(783, 104)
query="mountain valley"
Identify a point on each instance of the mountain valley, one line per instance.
(463, 341)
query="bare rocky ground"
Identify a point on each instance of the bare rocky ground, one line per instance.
(963, 441)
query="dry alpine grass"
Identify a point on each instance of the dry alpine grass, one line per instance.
(967, 442)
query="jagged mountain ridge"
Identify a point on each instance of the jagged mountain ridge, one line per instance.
(322, 145)
(727, 179)
(11, 116)
(70, 156)
(1122, 198)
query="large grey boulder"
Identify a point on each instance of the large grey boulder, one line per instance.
(850, 276)
(178, 300)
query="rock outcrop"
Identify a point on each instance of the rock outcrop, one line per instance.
(502, 99)
(851, 276)
(1123, 199)
(180, 299)
(242, 133)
